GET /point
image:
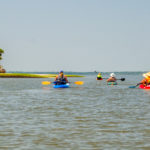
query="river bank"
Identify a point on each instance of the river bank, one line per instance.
(28, 75)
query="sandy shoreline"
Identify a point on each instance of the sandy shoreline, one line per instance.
(28, 75)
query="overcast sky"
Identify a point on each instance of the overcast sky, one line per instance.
(75, 35)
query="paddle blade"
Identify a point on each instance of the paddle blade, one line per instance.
(132, 87)
(122, 79)
(46, 82)
(79, 82)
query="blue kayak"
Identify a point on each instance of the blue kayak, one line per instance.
(61, 86)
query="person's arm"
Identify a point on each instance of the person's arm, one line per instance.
(66, 79)
(143, 81)
(108, 80)
(56, 78)
(115, 79)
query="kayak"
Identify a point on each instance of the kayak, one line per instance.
(144, 87)
(111, 83)
(61, 86)
(100, 79)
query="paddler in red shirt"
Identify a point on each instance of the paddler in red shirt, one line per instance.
(112, 78)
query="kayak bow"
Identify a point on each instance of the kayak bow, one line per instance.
(61, 86)
(144, 87)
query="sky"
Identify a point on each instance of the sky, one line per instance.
(75, 35)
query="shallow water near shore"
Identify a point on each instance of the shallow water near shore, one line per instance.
(90, 116)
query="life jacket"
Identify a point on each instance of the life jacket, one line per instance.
(148, 80)
(61, 78)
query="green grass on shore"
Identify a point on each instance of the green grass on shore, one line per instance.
(28, 75)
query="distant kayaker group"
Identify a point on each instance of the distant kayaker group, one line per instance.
(111, 80)
(112, 77)
(144, 82)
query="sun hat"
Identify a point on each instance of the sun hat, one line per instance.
(112, 75)
(146, 75)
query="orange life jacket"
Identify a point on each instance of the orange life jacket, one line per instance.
(148, 80)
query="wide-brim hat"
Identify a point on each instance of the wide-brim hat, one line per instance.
(146, 75)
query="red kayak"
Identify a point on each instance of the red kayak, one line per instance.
(144, 87)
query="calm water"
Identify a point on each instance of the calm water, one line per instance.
(93, 116)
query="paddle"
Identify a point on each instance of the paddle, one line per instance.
(79, 82)
(134, 86)
(45, 82)
(122, 79)
(48, 82)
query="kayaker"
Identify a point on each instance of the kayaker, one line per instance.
(146, 80)
(112, 78)
(61, 78)
(99, 76)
